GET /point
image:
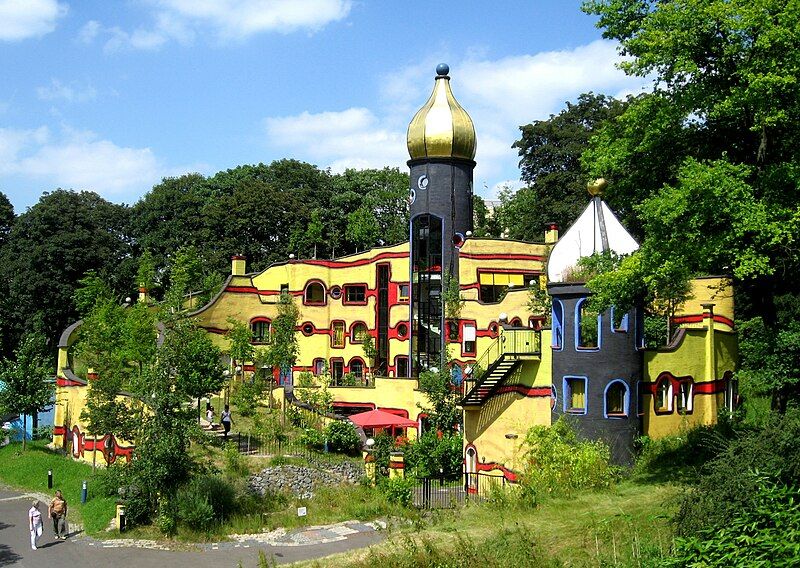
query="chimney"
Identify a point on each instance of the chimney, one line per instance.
(238, 265)
(144, 297)
(551, 234)
(91, 374)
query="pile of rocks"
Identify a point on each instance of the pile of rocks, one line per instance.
(301, 480)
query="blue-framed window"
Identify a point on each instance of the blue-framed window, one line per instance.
(616, 399)
(619, 324)
(588, 328)
(558, 325)
(575, 395)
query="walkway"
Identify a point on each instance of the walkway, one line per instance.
(78, 550)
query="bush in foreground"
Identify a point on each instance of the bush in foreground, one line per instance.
(557, 462)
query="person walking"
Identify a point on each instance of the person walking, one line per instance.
(35, 523)
(210, 414)
(57, 510)
(225, 418)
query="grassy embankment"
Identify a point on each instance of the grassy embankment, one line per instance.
(627, 525)
(27, 471)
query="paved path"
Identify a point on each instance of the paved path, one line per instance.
(78, 550)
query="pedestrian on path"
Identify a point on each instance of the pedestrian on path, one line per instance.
(210, 414)
(57, 510)
(226, 420)
(35, 523)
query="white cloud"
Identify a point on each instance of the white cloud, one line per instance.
(72, 93)
(226, 20)
(353, 138)
(21, 19)
(89, 31)
(500, 95)
(80, 160)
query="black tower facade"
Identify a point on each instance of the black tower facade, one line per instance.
(441, 143)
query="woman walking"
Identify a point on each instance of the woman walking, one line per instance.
(226, 420)
(35, 523)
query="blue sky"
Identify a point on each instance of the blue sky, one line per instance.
(112, 96)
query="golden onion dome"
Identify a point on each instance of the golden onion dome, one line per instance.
(441, 128)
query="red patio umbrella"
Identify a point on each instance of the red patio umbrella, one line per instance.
(381, 419)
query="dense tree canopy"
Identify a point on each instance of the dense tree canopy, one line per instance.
(707, 164)
(550, 152)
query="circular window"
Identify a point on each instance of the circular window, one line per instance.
(336, 292)
(307, 329)
(493, 328)
(402, 331)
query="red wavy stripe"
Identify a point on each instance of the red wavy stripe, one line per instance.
(351, 263)
(697, 318)
(507, 473)
(703, 387)
(525, 391)
(501, 256)
(62, 382)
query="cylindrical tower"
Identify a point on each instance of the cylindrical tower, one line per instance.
(441, 143)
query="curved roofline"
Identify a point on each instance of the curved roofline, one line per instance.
(63, 341)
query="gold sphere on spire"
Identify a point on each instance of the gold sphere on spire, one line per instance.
(597, 187)
(441, 128)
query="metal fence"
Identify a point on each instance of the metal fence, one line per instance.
(441, 493)
(254, 445)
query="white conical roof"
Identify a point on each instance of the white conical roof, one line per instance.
(584, 238)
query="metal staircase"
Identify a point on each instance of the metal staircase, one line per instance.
(503, 356)
(491, 380)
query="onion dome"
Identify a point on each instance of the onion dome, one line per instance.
(441, 128)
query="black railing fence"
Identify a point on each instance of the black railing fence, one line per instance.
(442, 493)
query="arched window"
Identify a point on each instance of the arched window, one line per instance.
(337, 334)
(314, 294)
(516, 322)
(357, 368)
(663, 398)
(358, 332)
(588, 325)
(684, 400)
(617, 400)
(319, 367)
(261, 330)
(619, 320)
(558, 324)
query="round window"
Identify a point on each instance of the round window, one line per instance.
(336, 292)
(402, 330)
(307, 329)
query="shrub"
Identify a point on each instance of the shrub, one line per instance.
(398, 491)
(247, 396)
(195, 511)
(204, 500)
(342, 437)
(436, 454)
(234, 462)
(312, 439)
(730, 482)
(557, 462)
(765, 534)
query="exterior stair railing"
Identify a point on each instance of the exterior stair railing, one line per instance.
(498, 362)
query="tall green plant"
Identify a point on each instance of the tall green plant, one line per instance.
(25, 386)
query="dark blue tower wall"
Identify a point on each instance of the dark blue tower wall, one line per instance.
(617, 358)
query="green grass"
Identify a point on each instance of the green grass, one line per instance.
(27, 471)
(625, 526)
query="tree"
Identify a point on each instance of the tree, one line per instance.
(550, 152)
(707, 164)
(26, 387)
(50, 247)
(7, 218)
(283, 351)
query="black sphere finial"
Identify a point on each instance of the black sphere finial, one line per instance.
(442, 69)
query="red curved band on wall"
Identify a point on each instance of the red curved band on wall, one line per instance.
(352, 263)
(703, 387)
(62, 382)
(81, 444)
(500, 256)
(530, 392)
(490, 466)
(698, 318)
